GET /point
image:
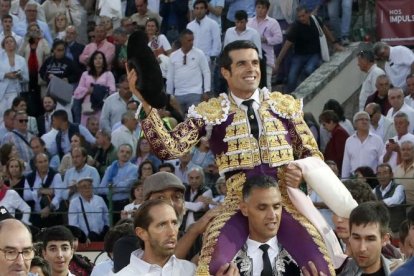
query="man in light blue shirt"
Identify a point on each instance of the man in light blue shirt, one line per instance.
(79, 170)
(119, 176)
(31, 11)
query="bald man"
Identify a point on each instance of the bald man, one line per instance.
(16, 249)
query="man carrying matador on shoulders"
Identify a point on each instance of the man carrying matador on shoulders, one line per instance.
(251, 131)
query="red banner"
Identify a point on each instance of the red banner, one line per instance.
(395, 21)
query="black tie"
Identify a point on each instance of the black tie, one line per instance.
(252, 118)
(267, 266)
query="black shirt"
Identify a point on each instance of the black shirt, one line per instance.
(380, 272)
(305, 37)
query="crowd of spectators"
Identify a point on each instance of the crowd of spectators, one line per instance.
(85, 164)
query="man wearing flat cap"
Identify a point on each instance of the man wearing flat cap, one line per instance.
(89, 211)
(167, 186)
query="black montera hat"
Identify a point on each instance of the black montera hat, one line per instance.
(4, 214)
(141, 58)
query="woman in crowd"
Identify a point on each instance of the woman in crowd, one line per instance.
(14, 171)
(137, 197)
(20, 104)
(346, 124)
(201, 154)
(59, 26)
(145, 169)
(109, 27)
(97, 78)
(72, 9)
(156, 41)
(144, 153)
(11, 200)
(13, 72)
(77, 140)
(159, 44)
(35, 50)
(7, 152)
(368, 175)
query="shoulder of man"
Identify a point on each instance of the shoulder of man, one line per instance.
(212, 112)
(285, 105)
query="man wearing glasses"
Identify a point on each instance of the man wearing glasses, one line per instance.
(16, 249)
(20, 137)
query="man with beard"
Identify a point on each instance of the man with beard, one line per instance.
(156, 224)
(44, 122)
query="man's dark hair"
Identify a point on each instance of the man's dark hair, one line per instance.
(359, 190)
(240, 15)
(225, 59)
(142, 216)
(167, 165)
(336, 107)
(16, 101)
(7, 112)
(258, 182)
(185, 32)
(265, 3)
(370, 212)
(202, 2)
(58, 42)
(57, 233)
(385, 165)
(367, 55)
(60, 114)
(34, 138)
(328, 116)
(115, 233)
(6, 16)
(47, 96)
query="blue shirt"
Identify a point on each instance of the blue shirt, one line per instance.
(405, 269)
(72, 176)
(96, 213)
(121, 179)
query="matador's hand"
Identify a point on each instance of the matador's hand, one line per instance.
(293, 176)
